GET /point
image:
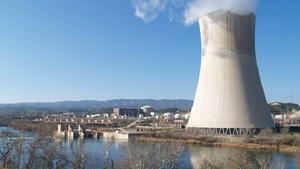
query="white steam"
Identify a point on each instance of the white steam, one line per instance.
(149, 10)
(194, 10)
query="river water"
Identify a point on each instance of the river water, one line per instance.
(191, 156)
(99, 152)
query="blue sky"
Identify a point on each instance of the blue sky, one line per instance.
(54, 50)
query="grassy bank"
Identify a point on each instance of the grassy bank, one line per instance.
(287, 142)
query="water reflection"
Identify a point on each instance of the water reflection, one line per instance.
(151, 155)
(99, 153)
(210, 157)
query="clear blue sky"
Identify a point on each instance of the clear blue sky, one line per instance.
(54, 50)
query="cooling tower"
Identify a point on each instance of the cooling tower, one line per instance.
(229, 97)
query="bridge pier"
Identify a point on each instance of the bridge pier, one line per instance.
(80, 132)
(70, 133)
(95, 135)
(59, 133)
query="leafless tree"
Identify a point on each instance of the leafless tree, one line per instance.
(19, 151)
(80, 156)
(244, 161)
(108, 161)
(206, 164)
(6, 150)
(152, 156)
(41, 152)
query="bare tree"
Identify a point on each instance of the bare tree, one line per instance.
(244, 161)
(108, 161)
(44, 152)
(80, 156)
(32, 152)
(206, 164)
(19, 151)
(6, 150)
(152, 156)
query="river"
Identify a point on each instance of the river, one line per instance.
(99, 152)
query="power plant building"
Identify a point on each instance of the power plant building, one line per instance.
(229, 97)
(128, 112)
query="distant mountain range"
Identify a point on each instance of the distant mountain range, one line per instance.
(89, 105)
(93, 104)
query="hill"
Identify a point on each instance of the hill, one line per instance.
(86, 105)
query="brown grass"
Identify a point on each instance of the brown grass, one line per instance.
(277, 142)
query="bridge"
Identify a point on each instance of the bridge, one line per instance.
(81, 129)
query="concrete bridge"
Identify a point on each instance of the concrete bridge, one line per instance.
(75, 129)
(89, 122)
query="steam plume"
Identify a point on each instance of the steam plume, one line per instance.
(195, 9)
(149, 10)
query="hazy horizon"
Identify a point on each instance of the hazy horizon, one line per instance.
(22, 102)
(89, 100)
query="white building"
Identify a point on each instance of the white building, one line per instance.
(147, 109)
(141, 116)
(179, 116)
(152, 114)
(187, 116)
(95, 115)
(168, 116)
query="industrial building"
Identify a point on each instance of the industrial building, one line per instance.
(229, 97)
(127, 112)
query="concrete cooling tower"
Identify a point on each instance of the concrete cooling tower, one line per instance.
(229, 97)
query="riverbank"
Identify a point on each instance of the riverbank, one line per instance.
(44, 129)
(286, 143)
